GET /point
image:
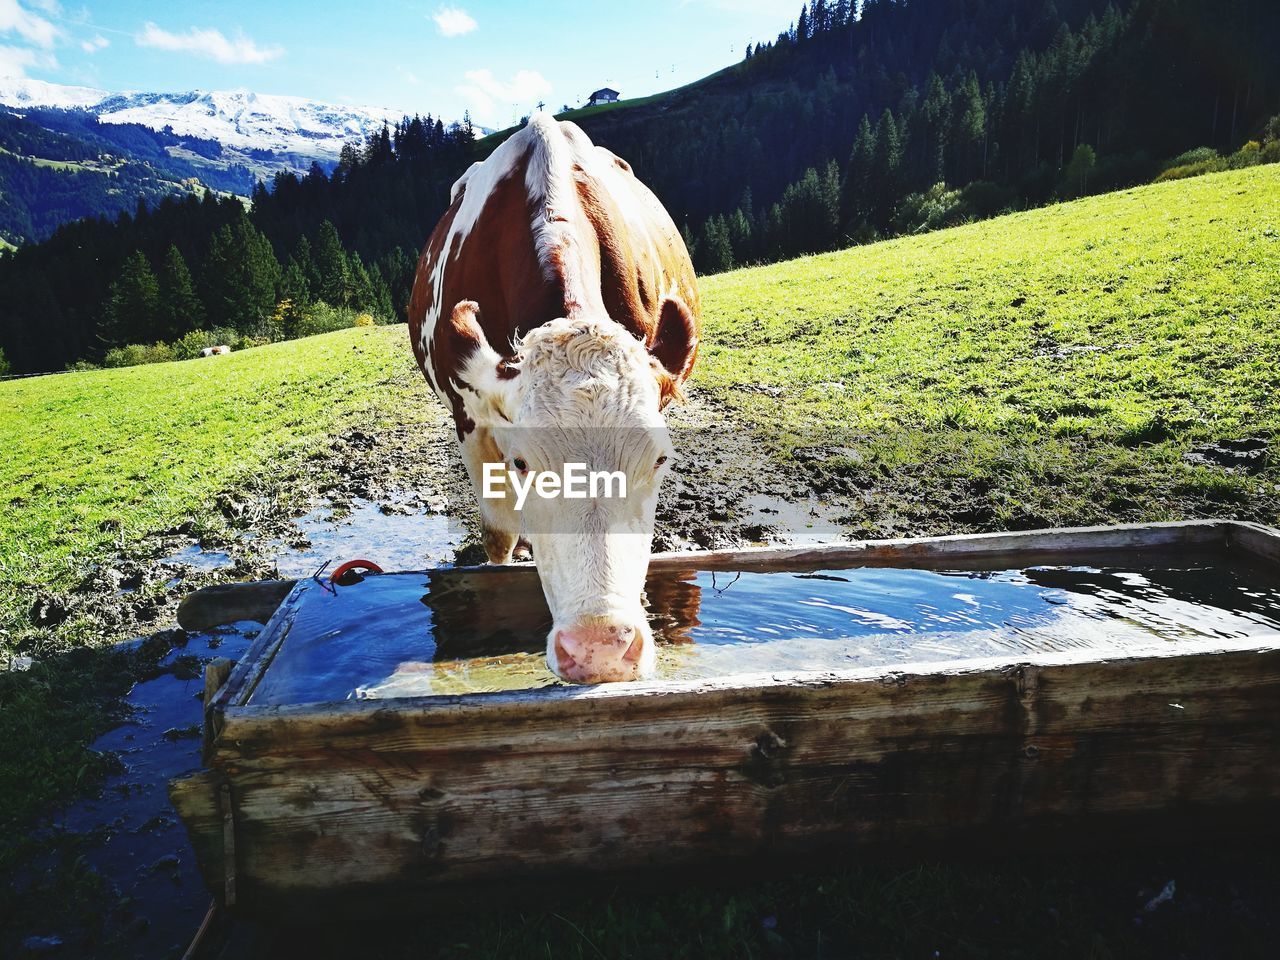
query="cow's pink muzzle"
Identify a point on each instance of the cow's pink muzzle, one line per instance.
(599, 652)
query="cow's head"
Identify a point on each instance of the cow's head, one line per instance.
(583, 392)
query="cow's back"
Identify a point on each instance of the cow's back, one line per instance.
(548, 226)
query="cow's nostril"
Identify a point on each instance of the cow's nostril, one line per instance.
(634, 651)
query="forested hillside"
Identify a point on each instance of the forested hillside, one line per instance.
(62, 165)
(896, 116)
(190, 266)
(924, 113)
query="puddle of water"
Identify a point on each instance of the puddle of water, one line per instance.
(198, 558)
(407, 538)
(805, 523)
(129, 833)
(455, 631)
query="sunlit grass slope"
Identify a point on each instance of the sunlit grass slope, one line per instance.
(1043, 368)
(90, 461)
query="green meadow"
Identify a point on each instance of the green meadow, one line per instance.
(1049, 367)
(1046, 368)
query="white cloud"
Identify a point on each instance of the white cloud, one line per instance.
(30, 28)
(489, 98)
(453, 21)
(14, 61)
(211, 44)
(97, 43)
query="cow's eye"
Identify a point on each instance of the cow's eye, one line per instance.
(659, 462)
(519, 464)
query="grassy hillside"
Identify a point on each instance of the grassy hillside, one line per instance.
(97, 460)
(1044, 368)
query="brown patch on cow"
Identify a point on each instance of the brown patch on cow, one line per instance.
(496, 266)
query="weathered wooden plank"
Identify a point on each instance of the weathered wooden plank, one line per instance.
(249, 669)
(566, 701)
(1198, 534)
(226, 603)
(400, 796)
(1262, 543)
(216, 672)
(913, 551)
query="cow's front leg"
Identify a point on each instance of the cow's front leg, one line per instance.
(499, 519)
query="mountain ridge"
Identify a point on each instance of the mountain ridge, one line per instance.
(241, 118)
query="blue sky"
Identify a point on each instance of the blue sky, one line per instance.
(493, 57)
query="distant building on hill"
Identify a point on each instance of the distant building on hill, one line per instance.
(603, 95)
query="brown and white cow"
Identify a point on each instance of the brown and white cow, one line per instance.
(555, 312)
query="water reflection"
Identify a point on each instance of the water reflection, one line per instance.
(463, 631)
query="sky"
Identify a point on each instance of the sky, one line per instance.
(495, 58)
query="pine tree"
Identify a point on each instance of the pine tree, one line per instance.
(884, 184)
(690, 242)
(133, 305)
(181, 310)
(333, 269)
(740, 236)
(293, 296)
(1076, 176)
(361, 285)
(378, 150)
(240, 277)
(970, 116)
(935, 116)
(306, 264)
(348, 161)
(379, 304)
(855, 190)
(809, 212)
(715, 252)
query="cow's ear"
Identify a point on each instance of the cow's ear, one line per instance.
(675, 341)
(479, 369)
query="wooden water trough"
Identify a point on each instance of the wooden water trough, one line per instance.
(312, 799)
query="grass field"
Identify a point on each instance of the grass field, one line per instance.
(1045, 368)
(1059, 362)
(1050, 367)
(96, 460)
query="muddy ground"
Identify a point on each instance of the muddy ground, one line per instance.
(725, 490)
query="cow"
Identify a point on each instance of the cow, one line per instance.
(555, 312)
(215, 351)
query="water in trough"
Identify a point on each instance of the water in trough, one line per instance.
(460, 631)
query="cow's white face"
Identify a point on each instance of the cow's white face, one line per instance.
(585, 392)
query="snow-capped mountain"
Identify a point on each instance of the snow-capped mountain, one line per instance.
(25, 92)
(237, 119)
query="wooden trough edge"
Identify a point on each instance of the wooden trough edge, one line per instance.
(259, 600)
(302, 801)
(412, 796)
(227, 603)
